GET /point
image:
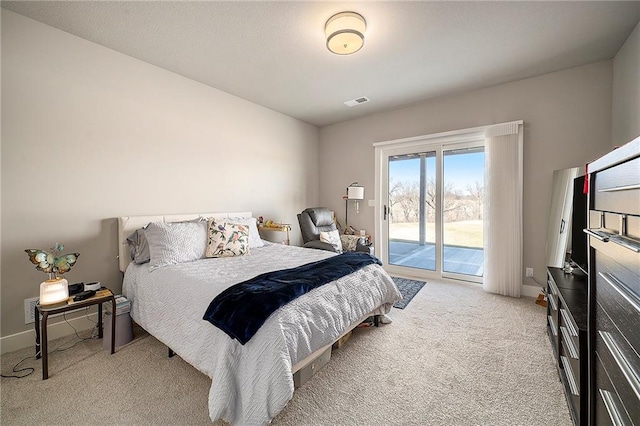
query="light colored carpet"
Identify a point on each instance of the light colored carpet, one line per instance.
(455, 356)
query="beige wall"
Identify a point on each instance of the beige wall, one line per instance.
(567, 118)
(90, 134)
(625, 116)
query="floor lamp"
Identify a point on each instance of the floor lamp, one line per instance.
(354, 192)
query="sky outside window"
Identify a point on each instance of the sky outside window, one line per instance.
(462, 170)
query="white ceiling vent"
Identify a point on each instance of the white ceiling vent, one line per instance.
(357, 101)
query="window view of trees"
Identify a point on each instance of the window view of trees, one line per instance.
(413, 244)
(462, 212)
(458, 204)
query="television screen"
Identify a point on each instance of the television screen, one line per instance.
(579, 241)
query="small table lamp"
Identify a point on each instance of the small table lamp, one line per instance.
(53, 291)
(354, 192)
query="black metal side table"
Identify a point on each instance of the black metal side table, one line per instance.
(103, 295)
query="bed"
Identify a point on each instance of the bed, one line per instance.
(251, 383)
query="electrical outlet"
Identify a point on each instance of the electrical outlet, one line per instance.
(30, 310)
(529, 273)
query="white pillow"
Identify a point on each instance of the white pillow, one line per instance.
(175, 242)
(254, 236)
(333, 238)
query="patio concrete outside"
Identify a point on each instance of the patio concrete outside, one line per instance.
(460, 260)
(463, 246)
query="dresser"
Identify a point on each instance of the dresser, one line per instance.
(567, 329)
(614, 287)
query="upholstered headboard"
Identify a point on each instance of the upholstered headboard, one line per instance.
(128, 224)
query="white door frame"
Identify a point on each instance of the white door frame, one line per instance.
(434, 142)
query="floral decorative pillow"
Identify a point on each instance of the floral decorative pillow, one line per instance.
(226, 239)
(250, 222)
(349, 242)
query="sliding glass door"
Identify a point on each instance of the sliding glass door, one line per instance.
(462, 208)
(411, 210)
(432, 222)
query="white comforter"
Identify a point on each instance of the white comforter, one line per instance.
(251, 384)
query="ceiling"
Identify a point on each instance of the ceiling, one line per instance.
(274, 54)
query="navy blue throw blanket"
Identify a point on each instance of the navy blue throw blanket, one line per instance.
(241, 309)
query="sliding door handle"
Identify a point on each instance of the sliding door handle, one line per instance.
(384, 214)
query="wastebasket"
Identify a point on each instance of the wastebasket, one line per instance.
(124, 330)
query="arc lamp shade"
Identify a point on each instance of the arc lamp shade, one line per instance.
(355, 192)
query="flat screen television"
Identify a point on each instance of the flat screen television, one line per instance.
(579, 241)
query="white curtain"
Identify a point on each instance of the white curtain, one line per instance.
(503, 209)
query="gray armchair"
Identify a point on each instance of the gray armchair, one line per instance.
(312, 221)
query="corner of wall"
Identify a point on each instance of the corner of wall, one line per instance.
(625, 105)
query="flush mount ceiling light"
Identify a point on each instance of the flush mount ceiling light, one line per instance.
(345, 33)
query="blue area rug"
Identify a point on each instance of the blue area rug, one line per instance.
(408, 288)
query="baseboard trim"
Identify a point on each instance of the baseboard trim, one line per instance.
(525, 290)
(27, 338)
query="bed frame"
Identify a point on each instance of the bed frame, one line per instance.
(128, 224)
